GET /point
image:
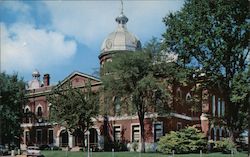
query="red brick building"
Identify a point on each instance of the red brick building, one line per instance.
(38, 130)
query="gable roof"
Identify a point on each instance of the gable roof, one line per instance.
(80, 74)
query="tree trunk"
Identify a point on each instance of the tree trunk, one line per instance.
(141, 119)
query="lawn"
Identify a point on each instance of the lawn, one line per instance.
(131, 154)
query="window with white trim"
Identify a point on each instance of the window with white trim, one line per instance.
(117, 133)
(117, 104)
(188, 97)
(222, 108)
(218, 107)
(27, 137)
(135, 133)
(39, 111)
(158, 131)
(213, 105)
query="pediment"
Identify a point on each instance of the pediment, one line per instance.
(78, 79)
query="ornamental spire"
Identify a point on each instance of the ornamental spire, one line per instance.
(121, 19)
(122, 7)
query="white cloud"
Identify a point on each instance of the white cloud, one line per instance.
(24, 47)
(16, 6)
(92, 21)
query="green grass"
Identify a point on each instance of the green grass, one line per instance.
(131, 154)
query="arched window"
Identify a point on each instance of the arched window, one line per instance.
(117, 105)
(27, 110)
(179, 94)
(188, 97)
(39, 111)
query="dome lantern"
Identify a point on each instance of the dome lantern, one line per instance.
(121, 39)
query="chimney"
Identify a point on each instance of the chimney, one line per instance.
(46, 80)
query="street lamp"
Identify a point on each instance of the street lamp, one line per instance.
(88, 141)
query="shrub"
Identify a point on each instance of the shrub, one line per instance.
(135, 146)
(188, 140)
(225, 145)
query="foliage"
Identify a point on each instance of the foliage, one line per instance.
(73, 107)
(120, 146)
(130, 154)
(12, 92)
(225, 145)
(213, 37)
(135, 146)
(132, 77)
(188, 140)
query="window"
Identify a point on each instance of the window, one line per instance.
(27, 137)
(51, 137)
(38, 136)
(222, 108)
(179, 126)
(27, 110)
(213, 105)
(117, 103)
(135, 133)
(218, 107)
(117, 133)
(39, 111)
(158, 131)
(188, 97)
(179, 95)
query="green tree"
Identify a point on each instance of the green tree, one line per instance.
(131, 77)
(12, 92)
(73, 107)
(212, 36)
(188, 140)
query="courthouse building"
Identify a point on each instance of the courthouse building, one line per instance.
(38, 130)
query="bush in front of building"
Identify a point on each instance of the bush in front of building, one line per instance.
(188, 140)
(226, 145)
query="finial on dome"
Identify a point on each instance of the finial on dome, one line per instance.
(122, 7)
(121, 19)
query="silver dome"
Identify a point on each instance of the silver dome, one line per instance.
(121, 39)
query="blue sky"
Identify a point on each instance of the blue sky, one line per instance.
(59, 37)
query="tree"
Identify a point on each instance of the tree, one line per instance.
(212, 36)
(73, 107)
(12, 92)
(131, 77)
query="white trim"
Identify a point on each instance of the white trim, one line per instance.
(23, 125)
(219, 107)
(213, 105)
(149, 115)
(26, 107)
(153, 129)
(120, 126)
(39, 105)
(131, 132)
(181, 116)
(204, 117)
(188, 96)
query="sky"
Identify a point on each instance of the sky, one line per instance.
(60, 37)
